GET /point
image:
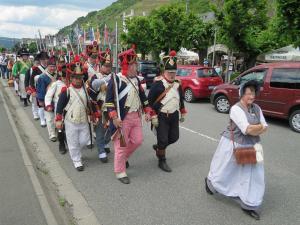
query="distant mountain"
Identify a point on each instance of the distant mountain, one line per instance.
(109, 15)
(8, 42)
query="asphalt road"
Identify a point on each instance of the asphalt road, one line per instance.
(19, 203)
(179, 198)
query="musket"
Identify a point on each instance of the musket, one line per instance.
(43, 47)
(122, 139)
(70, 44)
(90, 109)
(37, 46)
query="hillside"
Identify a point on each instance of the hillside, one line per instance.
(8, 42)
(109, 15)
(115, 11)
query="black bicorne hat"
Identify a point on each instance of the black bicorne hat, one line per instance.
(170, 62)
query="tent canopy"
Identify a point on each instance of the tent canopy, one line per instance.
(288, 53)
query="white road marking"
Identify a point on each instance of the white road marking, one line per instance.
(200, 134)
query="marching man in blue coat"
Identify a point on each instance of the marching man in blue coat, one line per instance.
(126, 101)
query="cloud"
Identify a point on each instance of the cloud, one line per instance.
(16, 30)
(23, 18)
(34, 15)
(90, 4)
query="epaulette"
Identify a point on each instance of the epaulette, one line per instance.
(177, 81)
(63, 89)
(158, 78)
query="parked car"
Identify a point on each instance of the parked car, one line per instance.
(197, 81)
(279, 93)
(148, 70)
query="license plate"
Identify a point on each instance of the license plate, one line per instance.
(211, 87)
(151, 75)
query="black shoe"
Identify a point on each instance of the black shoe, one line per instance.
(62, 148)
(90, 146)
(53, 139)
(155, 149)
(127, 164)
(162, 164)
(107, 150)
(80, 168)
(104, 160)
(25, 102)
(207, 188)
(252, 213)
(124, 180)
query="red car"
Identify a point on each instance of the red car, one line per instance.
(197, 81)
(279, 93)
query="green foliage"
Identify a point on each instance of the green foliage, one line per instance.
(62, 201)
(241, 23)
(113, 13)
(139, 33)
(32, 48)
(288, 13)
(168, 27)
(2, 49)
(199, 35)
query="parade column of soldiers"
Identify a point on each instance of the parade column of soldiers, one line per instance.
(84, 98)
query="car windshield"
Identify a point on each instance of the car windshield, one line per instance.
(207, 72)
(183, 72)
(148, 66)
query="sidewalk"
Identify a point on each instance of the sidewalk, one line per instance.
(19, 202)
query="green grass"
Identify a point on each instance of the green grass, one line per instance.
(62, 201)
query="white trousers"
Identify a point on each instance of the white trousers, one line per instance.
(34, 107)
(50, 124)
(22, 86)
(42, 116)
(77, 137)
(16, 86)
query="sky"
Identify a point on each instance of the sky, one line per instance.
(23, 18)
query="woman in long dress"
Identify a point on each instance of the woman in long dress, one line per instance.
(244, 183)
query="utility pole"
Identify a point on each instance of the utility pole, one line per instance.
(187, 6)
(214, 53)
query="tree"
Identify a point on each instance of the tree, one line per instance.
(139, 33)
(199, 35)
(168, 27)
(2, 49)
(241, 23)
(288, 13)
(16, 47)
(32, 48)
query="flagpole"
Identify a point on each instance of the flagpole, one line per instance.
(70, 44)
(117, 69)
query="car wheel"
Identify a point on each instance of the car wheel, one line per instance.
(188, 95)
(294, 121)
(222, 104)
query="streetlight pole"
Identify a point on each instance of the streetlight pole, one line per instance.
(187, 6)
(215, 40)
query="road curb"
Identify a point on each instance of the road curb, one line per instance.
(80, 210)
